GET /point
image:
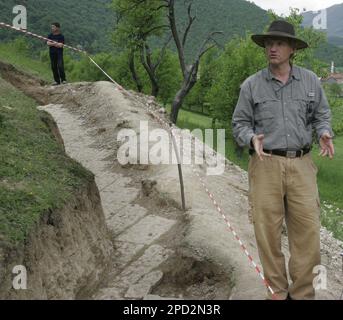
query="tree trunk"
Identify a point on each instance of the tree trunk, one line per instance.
(154, 85)
(189, 72)
(176, 105)
(154, 88)
(179, 98)
(134, 74)
(214, 123)
(150, 69)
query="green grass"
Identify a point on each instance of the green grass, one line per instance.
(35, 174)
(330, 183)
(330, 172)
(12, 53)
(191, 120)
(337, 116)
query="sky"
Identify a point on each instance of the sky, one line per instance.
(282, 6)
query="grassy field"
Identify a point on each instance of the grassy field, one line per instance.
(35, 174)
(330, 183)
(11, 53)
(330, 172)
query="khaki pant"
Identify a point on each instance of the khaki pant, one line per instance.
(281, 188)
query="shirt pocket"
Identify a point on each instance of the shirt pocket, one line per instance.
(264, 115)
(305, 109)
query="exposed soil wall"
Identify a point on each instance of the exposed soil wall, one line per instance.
(69, 250)
(65, 255)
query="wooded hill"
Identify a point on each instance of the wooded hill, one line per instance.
(89, 23)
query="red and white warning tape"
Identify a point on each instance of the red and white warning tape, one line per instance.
(243, 247)
(5, 25)
(170, 128)
(106, 74)
(220, 211)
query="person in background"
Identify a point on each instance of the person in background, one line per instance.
(56, 53)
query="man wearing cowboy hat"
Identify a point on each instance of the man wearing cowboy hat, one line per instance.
(277, 110)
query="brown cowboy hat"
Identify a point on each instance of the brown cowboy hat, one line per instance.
(279, 29)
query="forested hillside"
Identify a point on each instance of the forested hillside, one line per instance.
(89, 23)
(329, 52)
(233, 17)
(86, 23)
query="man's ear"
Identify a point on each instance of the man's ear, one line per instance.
(292, 55)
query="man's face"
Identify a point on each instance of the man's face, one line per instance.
(54, 28)
(278, 51)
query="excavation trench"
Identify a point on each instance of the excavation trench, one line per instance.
(150, 258)
(148, 227)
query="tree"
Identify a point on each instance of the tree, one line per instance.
(132, 68)
(169, 77)
(150, 66)
(116, 66)
(239, 60)
(334, 90)
(137, 21)
(197, 98)
(189, 71)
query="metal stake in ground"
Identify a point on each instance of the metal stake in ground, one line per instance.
(180, 170)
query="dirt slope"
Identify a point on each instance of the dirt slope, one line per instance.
(68, 249)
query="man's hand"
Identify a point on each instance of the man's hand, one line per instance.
(257, 142)
(54, 44)
(326, 145)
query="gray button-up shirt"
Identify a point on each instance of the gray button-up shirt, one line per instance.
(284, 113)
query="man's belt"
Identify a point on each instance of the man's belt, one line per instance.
(285, 153)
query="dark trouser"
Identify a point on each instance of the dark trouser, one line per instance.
(57, 66)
